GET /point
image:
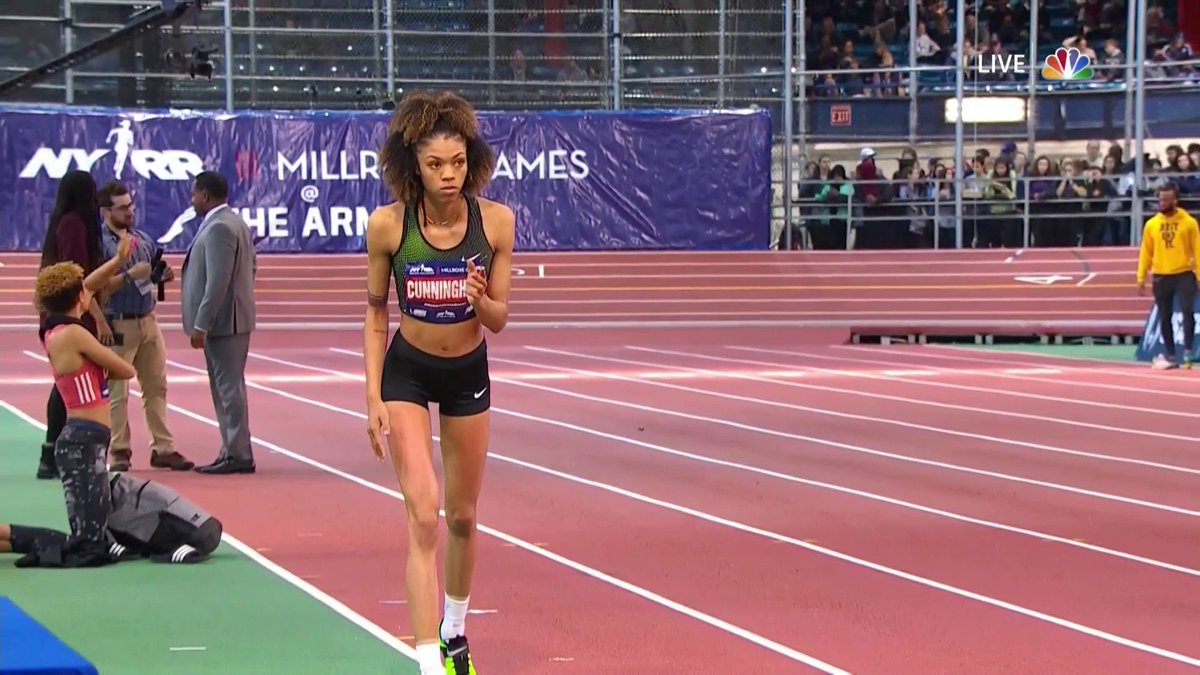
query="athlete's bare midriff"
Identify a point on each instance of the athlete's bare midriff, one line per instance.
(442, 340)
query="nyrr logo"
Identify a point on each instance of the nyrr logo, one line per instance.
(149, 164)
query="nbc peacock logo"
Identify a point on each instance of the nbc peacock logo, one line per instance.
(1067, 64)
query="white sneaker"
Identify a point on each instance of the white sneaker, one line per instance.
(1161, 362)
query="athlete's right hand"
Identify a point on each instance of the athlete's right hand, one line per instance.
(124, 246)
(378, 428)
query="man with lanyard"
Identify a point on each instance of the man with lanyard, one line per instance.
(137, 337)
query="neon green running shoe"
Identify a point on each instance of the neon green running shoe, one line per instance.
(457, 654)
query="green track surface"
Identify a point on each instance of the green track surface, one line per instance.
(1099, 352)
(248, 619)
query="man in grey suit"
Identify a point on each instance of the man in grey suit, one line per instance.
(217, 298)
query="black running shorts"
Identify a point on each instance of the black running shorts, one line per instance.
(460, 385)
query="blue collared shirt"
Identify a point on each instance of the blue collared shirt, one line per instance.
(132, 297)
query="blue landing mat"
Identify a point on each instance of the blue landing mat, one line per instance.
(28, 648)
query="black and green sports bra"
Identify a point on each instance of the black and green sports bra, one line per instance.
(431, 282)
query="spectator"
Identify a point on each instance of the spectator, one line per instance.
(879, 23)
(1020, 163)
(1188, 182)
(884, 82)
(875, 230)
(1008, 150)
(1080, 42)
(1041, 190)
(1179, 51)
(816, 175)
(808, 186)
(910, 188)
(963, 58)
(1071, 192)
(973, 191)
(829, 231)
(1159, 31)
(995, 50)
(1099, 193)
(1117, 152)
(976, 33)
(571, 72)
(72, 235)
(1173, 152)
(1113, 61)
(137, 338)
(929, 52)
(942, 191)
(828, 31)
(1118, 235)
(942, 34)
(517, 67)
(1010, 33)
(1003, 227)
(851, 84)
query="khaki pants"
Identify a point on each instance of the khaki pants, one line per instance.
(144, 348)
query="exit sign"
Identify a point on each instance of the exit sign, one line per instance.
(839, 115)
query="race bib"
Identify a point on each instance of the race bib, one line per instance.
(437, 291)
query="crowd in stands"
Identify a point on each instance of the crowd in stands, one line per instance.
(559, 55)
(1072, 201)
(858, 46)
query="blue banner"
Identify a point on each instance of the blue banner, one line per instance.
(307, 181)
(1152, 343)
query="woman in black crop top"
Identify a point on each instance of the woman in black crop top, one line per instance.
(449, 252)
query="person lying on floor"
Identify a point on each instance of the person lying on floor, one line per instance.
(147, 519)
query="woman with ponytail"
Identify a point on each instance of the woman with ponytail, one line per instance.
(450, 252)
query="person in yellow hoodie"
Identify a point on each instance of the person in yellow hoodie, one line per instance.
(1171, 250)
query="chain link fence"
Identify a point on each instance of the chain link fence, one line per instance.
(31, 33)
(693, 53)
(339, 54)
(309, 54)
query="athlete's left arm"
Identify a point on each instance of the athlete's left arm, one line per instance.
(492, 307)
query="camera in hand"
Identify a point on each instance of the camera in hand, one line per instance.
(158, 268)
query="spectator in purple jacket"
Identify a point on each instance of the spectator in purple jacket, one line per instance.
(72, 234)
(1042, 185)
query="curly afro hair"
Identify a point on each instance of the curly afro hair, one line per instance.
(58, 288)
(420, 117)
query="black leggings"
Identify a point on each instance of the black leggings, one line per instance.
(82, 454)
(27, 539)
(56, 419)
(1166, 289)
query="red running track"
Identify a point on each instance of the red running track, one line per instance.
(884, 288)
(786, 530)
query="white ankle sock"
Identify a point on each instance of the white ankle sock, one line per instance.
(455, 621)
(429, 658)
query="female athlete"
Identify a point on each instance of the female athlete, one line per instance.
(450, 252)
(78, 362)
